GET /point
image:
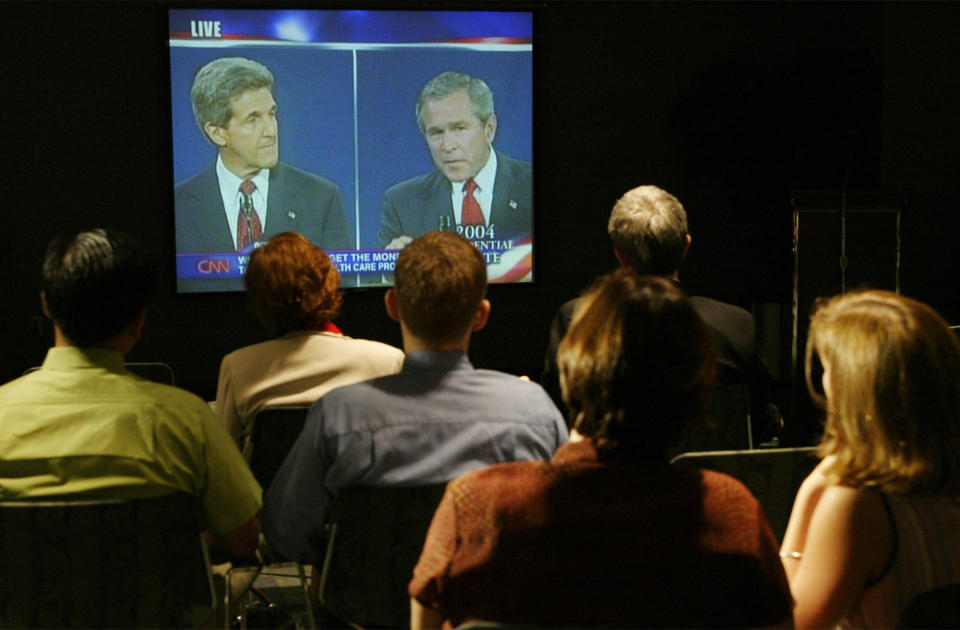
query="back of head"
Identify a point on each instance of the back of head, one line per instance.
(218, 82)
(440, 279)
(636, 365)
(893, 414)
(95, 283)
(292, 285)
(446, 83)
(649, 227)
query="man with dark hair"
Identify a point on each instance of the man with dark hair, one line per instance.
(648, 227)
(473, 184)
(436, 419)
(247, 195)
(83, 425)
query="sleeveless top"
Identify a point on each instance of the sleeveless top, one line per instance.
(926, 556)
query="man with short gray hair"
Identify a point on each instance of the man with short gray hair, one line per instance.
(248, 195)
(648, 227)
(472, 184)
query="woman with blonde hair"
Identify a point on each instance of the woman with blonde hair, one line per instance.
(293, 289)
(878, 520)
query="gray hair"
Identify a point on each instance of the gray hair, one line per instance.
(446, 83)
(218, 82)
(649, 227)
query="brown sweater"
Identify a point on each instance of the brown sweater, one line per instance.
(578, 541)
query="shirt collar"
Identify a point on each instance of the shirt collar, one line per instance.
(71, 357)
(486, 176)
(230, 183)
(436, 360)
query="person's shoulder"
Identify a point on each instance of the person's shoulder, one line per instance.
(735, 324)
(299, 178)
(513, 390)
(709, 306)
(252, 353)
(315, 342)
(367, 394)
(865, 504)
(361, 351)
(723, 483)
(407, 186)
(166, 404)
(728, 495)
(195, 182)
(509, 380)
(370, 346)
(172, 397)
(513, 166)
(506, 475)
(20, 384)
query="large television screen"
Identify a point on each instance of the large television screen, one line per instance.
(360, 130)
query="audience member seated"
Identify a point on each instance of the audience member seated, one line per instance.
(648, 227)
(83, 426)
(436, 419)
(293, 289)
(609, 533)
(878, 521)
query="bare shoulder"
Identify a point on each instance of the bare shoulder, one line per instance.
(855, 519)
(856, 504)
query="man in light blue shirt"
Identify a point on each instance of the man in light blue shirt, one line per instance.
(436, 419)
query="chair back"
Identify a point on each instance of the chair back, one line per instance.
(937, 608)
(727, 423)
(376, 536)
(152, 371)
(138, 563)
(773, 476)
(272, 435)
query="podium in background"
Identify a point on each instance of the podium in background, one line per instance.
(867, 236)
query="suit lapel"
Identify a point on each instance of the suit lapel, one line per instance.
(281, 215)
(210, 221)
(436, 191)
(504, 205)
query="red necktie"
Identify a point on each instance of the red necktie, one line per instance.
(471, 213)
(249, 229)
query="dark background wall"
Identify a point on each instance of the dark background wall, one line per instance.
(729, 106)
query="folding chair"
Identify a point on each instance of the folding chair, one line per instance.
(376, 536)
(936, 608)
(111, 563)
(773, 476)
(273, 432)
(727, 425)
(272, 435)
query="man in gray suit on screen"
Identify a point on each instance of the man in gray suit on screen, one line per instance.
(247, 195)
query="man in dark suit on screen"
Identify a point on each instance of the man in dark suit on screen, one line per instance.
(247, 195)
(472, 185)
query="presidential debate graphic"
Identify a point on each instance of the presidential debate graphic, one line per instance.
(360, 130)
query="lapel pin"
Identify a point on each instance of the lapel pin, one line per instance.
(291, 214)
(513, 204)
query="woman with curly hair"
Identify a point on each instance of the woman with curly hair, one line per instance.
(292, 288)
(878, 520)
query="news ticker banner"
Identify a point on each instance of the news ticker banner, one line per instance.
(507, 261)
(308, 26)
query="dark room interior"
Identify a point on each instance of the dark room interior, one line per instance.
(744, 111)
